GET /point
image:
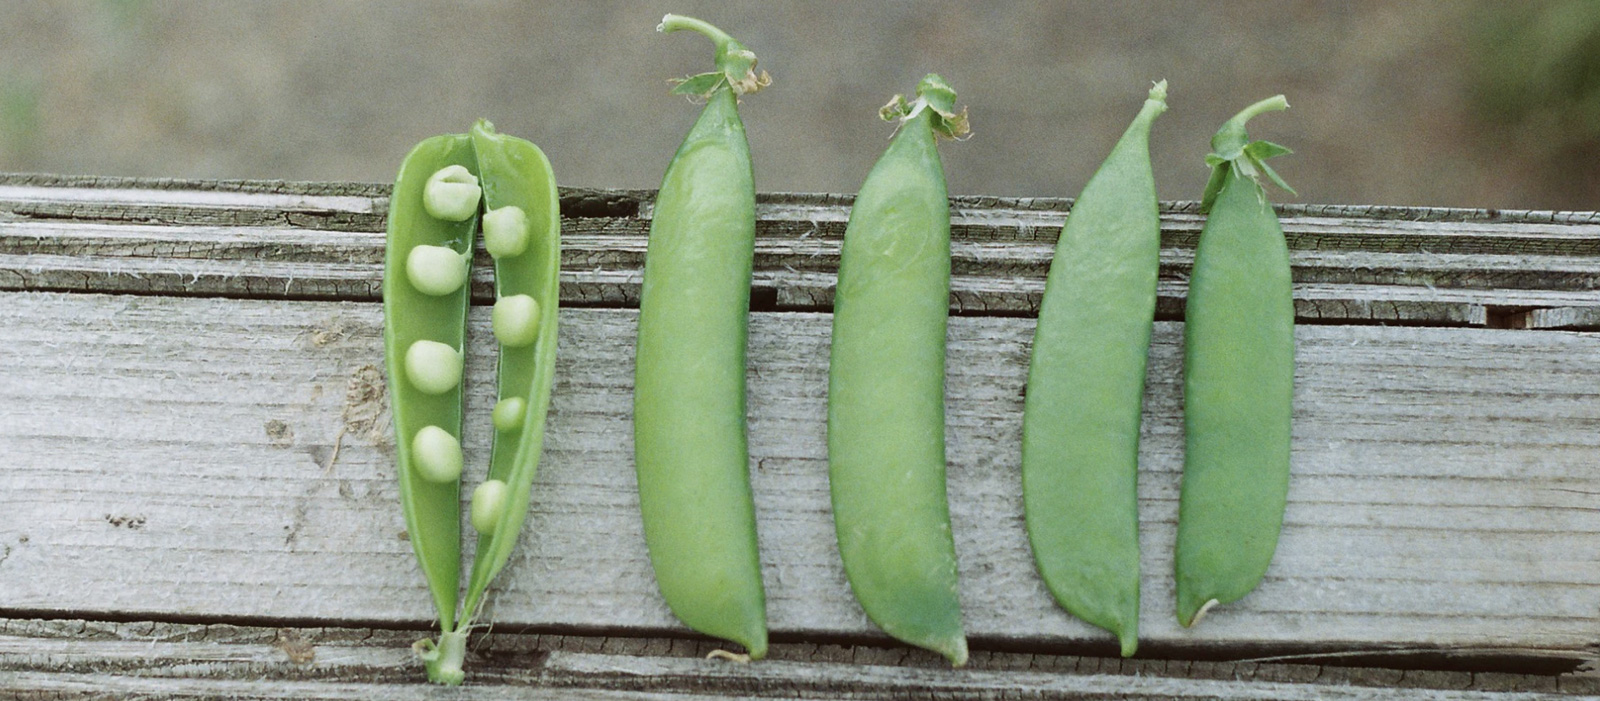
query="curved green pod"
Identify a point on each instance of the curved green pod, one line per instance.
(1238, 383)
(432, 509)
(690, 447)
(434, 211)
(515, 173)
(1080, 423)
(886, 460)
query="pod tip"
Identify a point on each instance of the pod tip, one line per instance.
(955, 650)
(1129, 642)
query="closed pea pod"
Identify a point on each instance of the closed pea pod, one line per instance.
(435, 203)
(690, 446)
(1238, 384)
(1080, 426)
(886, 460)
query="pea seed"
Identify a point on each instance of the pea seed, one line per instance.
(505, 231)
(436, 270)
(508, 413)
(488, 501)
(436, 455)
(516, 320)
(452, 194)
(433, 367)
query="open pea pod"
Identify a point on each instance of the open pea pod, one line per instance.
(516, 174)
(411, 316)
(447, 188)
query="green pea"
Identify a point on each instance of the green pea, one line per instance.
(488, 503)
(1080, 421)
(434, 206)
(516, 320)
(436, 270)
(508, 413)
(886, 452)
(452, 194)
(1238, 383)
(689, 379)
(505, 231)
(436, 454)
(433, 367)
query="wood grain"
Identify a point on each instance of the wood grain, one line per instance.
(323, 241)
(198, 499)
(172, 458)
(217, 660)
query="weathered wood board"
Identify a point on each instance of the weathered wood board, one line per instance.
(52, 659)
(193, 411)
(1442, 491)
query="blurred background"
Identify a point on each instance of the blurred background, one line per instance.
(1476, 103)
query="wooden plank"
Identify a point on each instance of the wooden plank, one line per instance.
(174, 459)
(606, 677)
(183, 659)
(1587, 318)
(321, 241)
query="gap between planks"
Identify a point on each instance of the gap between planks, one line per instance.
(170, 658)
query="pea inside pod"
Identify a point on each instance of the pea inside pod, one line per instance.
(433, 220)
(886, 459)
(1238, 380)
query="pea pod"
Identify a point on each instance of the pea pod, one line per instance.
(1238, 383)
(412, 317)
(690, 447)
(527, 282)
(433, 219)
(1080, 425)
(886, 460)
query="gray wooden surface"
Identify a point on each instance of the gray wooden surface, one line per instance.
(192, 410)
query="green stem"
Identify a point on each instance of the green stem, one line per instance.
(444, 659)
(1230, 140)
(673, 23)
(733, 60)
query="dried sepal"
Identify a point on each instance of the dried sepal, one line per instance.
(897, 108)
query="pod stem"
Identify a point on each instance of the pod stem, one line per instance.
(444, 659)
(1233, 152)
(672, 23)
(1230, 140)
(735, 65)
